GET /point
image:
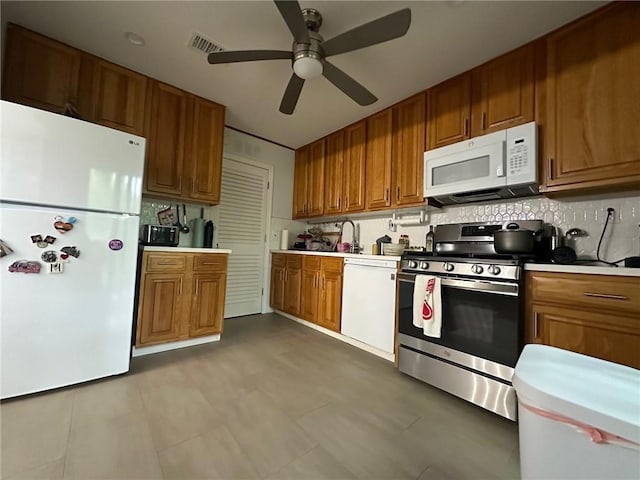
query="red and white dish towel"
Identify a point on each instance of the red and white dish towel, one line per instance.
(427, 310)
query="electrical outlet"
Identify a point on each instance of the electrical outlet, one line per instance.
(614, 216)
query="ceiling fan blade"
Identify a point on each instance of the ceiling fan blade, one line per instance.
(381, 30)
(291, 94)
(347, 84)
(248, 56)
(292, 14)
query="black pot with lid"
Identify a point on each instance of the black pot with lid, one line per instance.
(513, 240)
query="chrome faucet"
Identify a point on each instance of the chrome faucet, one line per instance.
(355, 247)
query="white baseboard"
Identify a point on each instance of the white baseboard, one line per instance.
(164, 347)
(356, 343)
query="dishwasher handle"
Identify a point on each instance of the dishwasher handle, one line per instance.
(371, 262)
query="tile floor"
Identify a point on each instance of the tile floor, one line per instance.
(272, 400)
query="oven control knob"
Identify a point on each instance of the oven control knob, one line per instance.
(412, 264)
(448, 267)
(475, 268)
(424, 265)
(494, 269)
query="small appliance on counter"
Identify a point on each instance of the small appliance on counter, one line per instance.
(160, 235)
(209, 229)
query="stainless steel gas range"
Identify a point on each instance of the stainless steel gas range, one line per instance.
(482, 317)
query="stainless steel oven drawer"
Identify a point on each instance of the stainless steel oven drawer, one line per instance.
(486, 392)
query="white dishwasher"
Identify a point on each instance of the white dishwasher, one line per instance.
(369, 301)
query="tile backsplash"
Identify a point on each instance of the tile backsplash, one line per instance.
(622, 238)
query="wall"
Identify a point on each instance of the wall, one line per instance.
(588, 213)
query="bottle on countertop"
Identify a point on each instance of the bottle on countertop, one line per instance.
(429, 240)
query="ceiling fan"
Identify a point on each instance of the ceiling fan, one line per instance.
(310, 50)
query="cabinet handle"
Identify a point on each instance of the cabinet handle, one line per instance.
(398, 194)
(167, 264)
(605, 295)
(179, 182)
(339, 202)
(535, 325)
(315, 281)
(386, 194)
(286, 274)
(191, 184)
(180, 290)
(346, 202)
(197, 283)
(324, 282)
(550, 173)
(466, 127)
(484, 120)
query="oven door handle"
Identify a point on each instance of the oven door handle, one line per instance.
(486, 286)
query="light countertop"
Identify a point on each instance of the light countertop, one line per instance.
(397, 258)
(149, 248)
(588, 269)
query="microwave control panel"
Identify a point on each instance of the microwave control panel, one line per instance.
(522, 154)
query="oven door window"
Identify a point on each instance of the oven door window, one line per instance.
(483, 324)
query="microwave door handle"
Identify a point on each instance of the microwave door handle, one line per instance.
(500, 170)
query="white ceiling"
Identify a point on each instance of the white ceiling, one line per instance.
(445, 38)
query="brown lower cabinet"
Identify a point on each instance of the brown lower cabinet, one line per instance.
(596, 315)
(181, 296)
(313, 293)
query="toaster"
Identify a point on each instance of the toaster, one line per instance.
(160, 235)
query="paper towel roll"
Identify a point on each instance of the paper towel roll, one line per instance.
(197, 229)
(284, 240)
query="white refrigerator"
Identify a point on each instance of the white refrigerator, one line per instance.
(70, 196)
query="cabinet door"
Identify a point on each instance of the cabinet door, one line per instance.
(118, 97)
(300, 182)
(207, 305)
(355, 148)
(502, 92)
(330, 304)
(378, 191)
(315, 179)
(160, 313)
(333, 173)
(292, 289)
(206, 138)
(449, 112)
(610, 337)
(166, 141)
(593, 94)
(277, 288)
(408, 150)
(40, 72)
(309, 296)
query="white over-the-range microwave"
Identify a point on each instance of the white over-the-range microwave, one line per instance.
(502, 164)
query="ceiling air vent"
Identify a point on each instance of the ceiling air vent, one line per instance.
(203, 44)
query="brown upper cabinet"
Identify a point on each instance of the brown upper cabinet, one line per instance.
(395, 149)
(592, 114)
(184, 150)
(496, 95)
(118, 96)
(308, 185)
(502, 92)
(345, 170)
(449, 111)
(40, 72)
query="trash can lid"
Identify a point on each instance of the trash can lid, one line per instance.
(603, 394)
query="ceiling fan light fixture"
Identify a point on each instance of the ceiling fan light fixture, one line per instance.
(135, 39)
(307, 67)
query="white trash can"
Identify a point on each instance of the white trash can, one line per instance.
(579, 416)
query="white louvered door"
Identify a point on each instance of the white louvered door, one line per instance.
(242, 227)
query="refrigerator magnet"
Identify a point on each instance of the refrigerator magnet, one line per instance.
(73, 251)
(49, 256)
(50, 239)
(36, 238)
(116, 244)
(62, 225)
(55, 267)
(4, 249)
(167, 217)
(25, 266)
